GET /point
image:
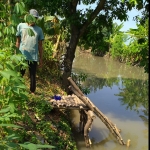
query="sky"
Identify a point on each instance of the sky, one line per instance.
(130, 23)
(126, 25)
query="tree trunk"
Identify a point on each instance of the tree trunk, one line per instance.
(69, 57)
(77, 30)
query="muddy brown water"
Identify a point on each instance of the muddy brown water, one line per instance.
(121, 92)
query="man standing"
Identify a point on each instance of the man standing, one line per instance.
(31, 47)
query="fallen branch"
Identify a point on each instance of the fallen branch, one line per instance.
(112, 127)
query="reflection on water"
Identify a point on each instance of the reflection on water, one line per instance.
(121, 93)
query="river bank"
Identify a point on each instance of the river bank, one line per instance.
(120, 91)
(55, 126)
(47, 125)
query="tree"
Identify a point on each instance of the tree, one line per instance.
(139, 45)
(78, 21)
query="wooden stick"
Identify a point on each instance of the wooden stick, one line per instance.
(113, 129)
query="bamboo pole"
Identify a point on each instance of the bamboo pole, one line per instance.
(113, 129)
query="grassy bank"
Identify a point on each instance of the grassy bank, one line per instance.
(46, 125)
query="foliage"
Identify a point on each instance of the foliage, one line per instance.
(13, 103)
(96, 37)
(140, 45)
(118, 47)
(136, 52)
(79, 79)
(91, 27)
(58, 131)
(32, 146)
(13, 92)
(14, 99)
(116, 41)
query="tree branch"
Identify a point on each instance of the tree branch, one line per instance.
(73, 5)
(75, 2)
(93, 15)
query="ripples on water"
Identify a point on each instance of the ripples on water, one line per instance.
(121, 93)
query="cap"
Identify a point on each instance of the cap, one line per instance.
(34, 13)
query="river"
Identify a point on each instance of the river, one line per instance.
(120, 91)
